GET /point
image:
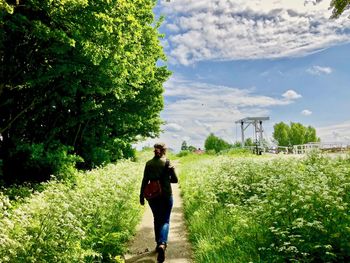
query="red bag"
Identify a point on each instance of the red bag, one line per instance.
(152, 190)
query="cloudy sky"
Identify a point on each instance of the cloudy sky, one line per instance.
(232, 59)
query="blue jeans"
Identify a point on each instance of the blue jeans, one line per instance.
(161, 209)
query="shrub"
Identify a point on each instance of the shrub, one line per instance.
(37, 162)
(183, 153)
(90, 221)
(215, 143)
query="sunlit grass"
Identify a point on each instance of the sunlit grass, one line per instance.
(277, 209)
(90, 221)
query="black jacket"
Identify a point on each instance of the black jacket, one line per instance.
(156, 169)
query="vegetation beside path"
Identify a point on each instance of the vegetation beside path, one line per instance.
(239, 207)
(90, 220)
(256, 209)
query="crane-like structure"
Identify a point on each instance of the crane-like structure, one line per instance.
(258, 128)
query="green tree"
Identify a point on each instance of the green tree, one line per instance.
(184, 146)
(249, 142)
(237, 144)
(191, 148)
(78, 77)
(215, 143)
(281, 133)
(311, 135)
(294, 134)
(339, 6)
(297, 133)
(5, 7)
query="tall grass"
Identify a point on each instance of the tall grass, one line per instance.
(90, 221)
(268, 210)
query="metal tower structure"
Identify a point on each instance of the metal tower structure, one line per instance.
(258, 128)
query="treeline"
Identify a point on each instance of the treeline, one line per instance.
(79, 84)
(212, 144)
(293, 134)
(283, 134)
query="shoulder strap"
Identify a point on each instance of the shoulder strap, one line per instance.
(166, 167)
(167, 163)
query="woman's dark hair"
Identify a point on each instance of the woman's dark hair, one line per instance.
(160, 146)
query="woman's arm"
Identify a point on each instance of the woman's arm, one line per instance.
(172, 174)
(143, 184)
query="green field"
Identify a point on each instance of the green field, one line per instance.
(279, 209)
(238, 208)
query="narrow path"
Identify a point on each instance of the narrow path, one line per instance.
(142, 248)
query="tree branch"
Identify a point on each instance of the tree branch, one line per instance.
(18, 115)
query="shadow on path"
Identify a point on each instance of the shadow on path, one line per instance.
(142, 249)
(146, 257)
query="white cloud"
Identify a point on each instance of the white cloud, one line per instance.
(291, 95)
(193, 110)
(172, 27)
(318, 70)
(227, 30)
(306, 112)
(173, 127)
(339, 132)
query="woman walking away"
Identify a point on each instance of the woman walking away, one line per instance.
(156, 188)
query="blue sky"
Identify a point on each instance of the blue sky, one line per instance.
(234, 59)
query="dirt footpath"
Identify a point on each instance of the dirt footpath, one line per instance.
(142, 249)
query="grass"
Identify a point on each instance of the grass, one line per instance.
(89, 221)
(238, 207)
(258, 209)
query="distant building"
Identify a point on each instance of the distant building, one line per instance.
(199, 151)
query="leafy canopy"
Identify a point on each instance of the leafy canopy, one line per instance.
(80, 74)
(339, 6)
(293, 134)
(214, 143)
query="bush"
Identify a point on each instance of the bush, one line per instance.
(215, 143)
(183, 153)
(37, 163)
(90, 221)
(239, 151)
(96, 156)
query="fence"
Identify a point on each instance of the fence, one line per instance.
(323, 146)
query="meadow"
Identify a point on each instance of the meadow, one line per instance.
(238, 208)
(88, 220)
(258, 209)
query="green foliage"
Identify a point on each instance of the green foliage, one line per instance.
(310, 135)
(37, 163)
(81, 74)
(294, 134)
(184, 146)
(6, 7)
(256, 210)
(214, 143)
(297, 133)
(281, 134)
(339, 6)
(183, 153)
(185, 149)
(249, 142)
(20, 192)
(239, 152)
(237, 144)
(191, 148)
(84, 222)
